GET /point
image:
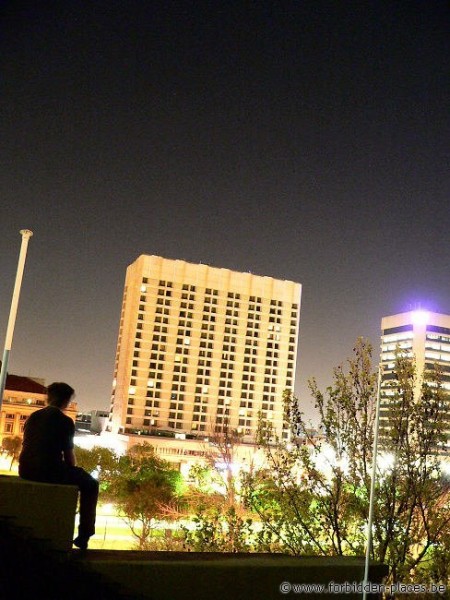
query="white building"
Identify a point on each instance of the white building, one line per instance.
(201, 349)
(424, 336)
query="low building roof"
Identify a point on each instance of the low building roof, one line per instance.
(19, 383)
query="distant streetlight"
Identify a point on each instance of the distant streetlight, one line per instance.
(26, 234)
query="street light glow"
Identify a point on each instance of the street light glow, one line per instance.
(420, 317)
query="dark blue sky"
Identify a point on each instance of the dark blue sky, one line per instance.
(304, 140)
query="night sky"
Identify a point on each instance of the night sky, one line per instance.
(303, 140)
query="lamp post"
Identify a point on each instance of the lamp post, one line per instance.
(372, 484)
(26, 234)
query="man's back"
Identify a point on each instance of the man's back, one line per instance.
(47, 434)
(48, 456)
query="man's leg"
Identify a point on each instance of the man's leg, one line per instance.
(88, 487)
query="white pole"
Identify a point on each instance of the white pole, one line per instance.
(26, 234)
(372, 483)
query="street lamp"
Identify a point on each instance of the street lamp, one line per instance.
(372, 483)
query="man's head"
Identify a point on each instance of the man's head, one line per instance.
(59, 394)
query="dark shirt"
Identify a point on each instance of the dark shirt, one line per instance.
(47, 434)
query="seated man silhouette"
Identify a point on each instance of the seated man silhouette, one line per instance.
(48, 456)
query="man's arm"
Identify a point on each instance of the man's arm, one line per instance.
(69, 458)
(68, 451)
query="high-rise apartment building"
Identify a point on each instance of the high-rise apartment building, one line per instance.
(421, 334)
(201, 349)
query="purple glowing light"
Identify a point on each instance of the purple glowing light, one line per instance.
(420, 317)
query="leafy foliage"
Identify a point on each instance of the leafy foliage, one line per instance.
(12, 447)
(145, 489)
(102, 460)
(220, 529)
(221, 522)
(314, 495)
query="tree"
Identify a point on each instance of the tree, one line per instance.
(412, 513)
(12, 446)
(221, 521)
(145, 488)
(102, 460)
(314, 496)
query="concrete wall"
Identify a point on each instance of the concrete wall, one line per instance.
(206, 576)
(48, 510)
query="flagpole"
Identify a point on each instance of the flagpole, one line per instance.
(26, 234)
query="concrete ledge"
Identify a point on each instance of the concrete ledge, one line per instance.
(177, 576)
(47, 510)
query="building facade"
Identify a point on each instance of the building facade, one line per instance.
(201, 349)
(422, 335)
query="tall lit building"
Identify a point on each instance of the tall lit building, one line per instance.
(201, 349)
(421, 334)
